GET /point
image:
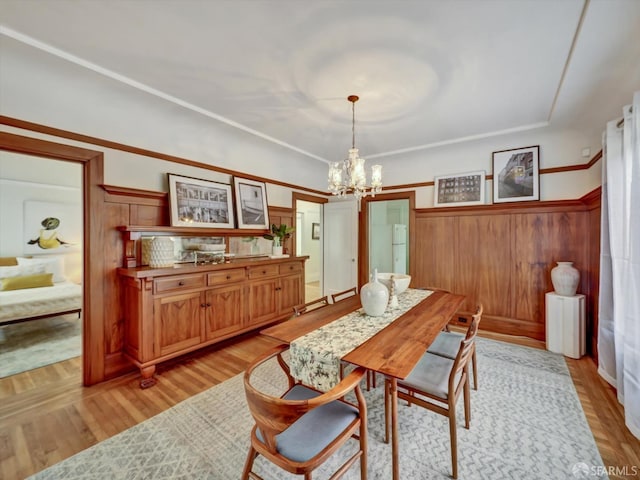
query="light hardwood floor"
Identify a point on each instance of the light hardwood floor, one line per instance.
(47, 416)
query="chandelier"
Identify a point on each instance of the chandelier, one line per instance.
(348, 176)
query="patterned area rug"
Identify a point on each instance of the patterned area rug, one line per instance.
(527, 423)
(36, 343)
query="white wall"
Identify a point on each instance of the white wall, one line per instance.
(556, 149)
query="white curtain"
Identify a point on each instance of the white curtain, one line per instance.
(619, 314)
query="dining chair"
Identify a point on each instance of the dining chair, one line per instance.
(447, 343)
(336, 297)
(317, 303)
(299, 430)
(436, 384)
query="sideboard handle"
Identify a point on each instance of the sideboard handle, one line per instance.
(180, 283)
(228, 277)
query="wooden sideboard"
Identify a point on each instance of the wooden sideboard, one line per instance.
(172, 311)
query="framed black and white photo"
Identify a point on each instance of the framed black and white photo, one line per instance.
(315, 231)
(251, 203)
(459, 189)
(200, 203)
(516, 175)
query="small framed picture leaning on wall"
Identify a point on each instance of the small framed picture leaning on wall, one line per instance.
(459, 189)
(196, 202)
(251, 203)
(516, 175)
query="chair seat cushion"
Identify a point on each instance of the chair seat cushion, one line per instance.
(430, 375)
(312, 432)
(446, 344)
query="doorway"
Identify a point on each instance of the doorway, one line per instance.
(93, 270)
(308, 212)
(33, 190)
(387, 223)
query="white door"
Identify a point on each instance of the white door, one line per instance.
(340, 246)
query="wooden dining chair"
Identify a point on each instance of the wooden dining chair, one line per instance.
(336, 297)
(447, 344)
(302, 428)
(436, 384)
(312, 305)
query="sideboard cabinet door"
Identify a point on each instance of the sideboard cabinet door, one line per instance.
(177, 322)
(225, 310)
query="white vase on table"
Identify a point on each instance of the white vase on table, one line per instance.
(374, 297)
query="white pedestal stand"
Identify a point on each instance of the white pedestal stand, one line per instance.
(566, 324)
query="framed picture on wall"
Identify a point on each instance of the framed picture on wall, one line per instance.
(51, 227)
(200, 203)
(251, 203)
(516, 175)
(460, 189)
(315, 231)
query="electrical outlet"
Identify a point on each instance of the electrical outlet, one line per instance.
(462, 319)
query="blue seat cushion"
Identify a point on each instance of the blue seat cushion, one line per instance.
(430, 375)
(446, 344)
(312, 432)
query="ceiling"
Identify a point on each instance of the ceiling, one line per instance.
(428, 73)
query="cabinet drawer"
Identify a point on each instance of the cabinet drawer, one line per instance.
(226, 276)
(178, 282)
(291, 267)
(263, 271)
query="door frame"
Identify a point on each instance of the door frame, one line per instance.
(295, 196)
(93, 262)
(363, 225)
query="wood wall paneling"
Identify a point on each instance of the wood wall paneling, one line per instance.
(484, 263)
(502, 256)
(279, 216)
(435, 256)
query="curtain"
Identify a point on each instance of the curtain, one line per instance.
(619, 311)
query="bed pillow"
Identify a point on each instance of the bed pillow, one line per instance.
(27, 281)
(52, 264)
(8, 261)
(21, 270)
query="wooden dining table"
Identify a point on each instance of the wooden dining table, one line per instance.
(394, 351)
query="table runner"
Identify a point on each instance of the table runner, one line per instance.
(315, 357)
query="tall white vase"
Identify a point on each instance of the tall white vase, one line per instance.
(565, 278)
(374, 297)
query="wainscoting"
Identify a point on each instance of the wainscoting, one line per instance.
(502, 256)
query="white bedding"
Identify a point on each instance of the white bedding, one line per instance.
(34, 302)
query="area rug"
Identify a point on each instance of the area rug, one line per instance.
(36, 343)
(527, 423)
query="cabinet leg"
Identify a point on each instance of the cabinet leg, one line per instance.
(148, 380)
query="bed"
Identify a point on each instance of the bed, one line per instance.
(34, 303)
(57, 296)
